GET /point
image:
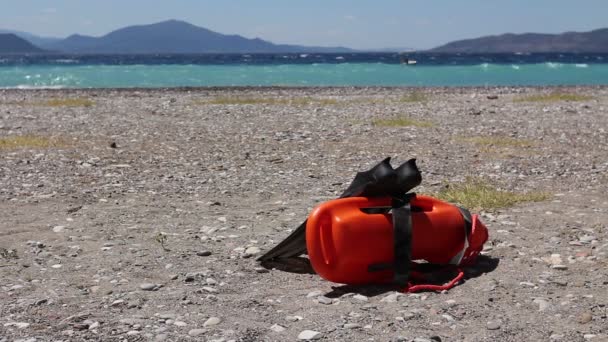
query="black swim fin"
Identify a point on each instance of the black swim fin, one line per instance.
(381, 180)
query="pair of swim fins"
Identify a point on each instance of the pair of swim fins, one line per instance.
(380, 181)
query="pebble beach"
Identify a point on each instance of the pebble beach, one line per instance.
(138, 214)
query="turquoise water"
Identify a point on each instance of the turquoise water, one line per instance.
(340, 74)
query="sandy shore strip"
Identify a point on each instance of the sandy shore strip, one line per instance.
(137, 214)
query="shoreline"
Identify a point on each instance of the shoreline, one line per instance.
(267, 88)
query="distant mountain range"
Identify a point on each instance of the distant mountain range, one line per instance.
(175, 37)
(32, 38)
(590, 42)
(12, 44)
(168, 37)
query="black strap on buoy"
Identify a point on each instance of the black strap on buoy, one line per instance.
(402, 241)
(468, 227)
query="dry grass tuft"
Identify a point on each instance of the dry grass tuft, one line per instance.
(68, 102)
(554, 97)
(298, 101)
(402, 122)
(30, 141)
(56, 102)
(414, 97)
(498, 142)
(479, 194)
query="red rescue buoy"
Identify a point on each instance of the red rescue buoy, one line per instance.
(352, 240)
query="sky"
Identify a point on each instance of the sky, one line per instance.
(360, 24)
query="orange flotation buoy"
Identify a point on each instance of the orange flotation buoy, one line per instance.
(361, 240)
(379, 232)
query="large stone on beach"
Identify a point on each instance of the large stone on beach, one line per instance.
(212, 321)
(196, 332)
(277, 328)
(308, 335)
(149, 287)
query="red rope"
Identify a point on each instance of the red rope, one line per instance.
(438, 288)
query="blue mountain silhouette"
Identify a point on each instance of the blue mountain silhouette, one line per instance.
(595, 41)
(12, 44)
(174, 36)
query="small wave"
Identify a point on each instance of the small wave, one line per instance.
(304, 55)
(29, 77)
(30, 87)
(554, 65)
(340, 58)
(516, 67)
(484, 65)
(66, 61)
(582, 65)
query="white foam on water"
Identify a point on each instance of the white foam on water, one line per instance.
(63, 78)
(554, 65)
(582, 65)
(30, 87)
(66, 61)
(516, 67)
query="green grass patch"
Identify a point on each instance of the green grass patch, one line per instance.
(479, 194)
(30, 141)
(401, 122)
(298, 101)
(69, 102)
(56, 102)
(555, 97)
(161, 239)
(498, 141)
(8, 253)
(413, 97)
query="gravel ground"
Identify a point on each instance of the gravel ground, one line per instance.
(143, 219)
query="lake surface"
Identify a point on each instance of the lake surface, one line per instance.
(357, 69)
